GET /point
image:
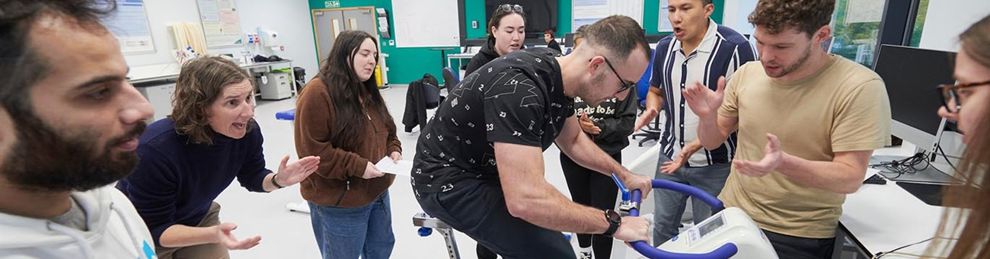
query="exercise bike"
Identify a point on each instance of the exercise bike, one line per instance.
(729, 233)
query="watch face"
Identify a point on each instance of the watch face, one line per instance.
(613, 216)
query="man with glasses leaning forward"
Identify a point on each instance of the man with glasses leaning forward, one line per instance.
(479, 162)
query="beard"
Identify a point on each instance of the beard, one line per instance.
(588, 94)
(43, 160)
(794, 66)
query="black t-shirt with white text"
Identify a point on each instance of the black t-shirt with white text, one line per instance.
(517, 98)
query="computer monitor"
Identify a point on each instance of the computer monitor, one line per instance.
(911, 75)
(569, 40)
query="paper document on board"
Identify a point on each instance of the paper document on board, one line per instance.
(387, 165)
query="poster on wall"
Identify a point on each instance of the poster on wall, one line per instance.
(130, 25)
(221, 23)
(590, 11)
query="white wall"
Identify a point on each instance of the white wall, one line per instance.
(160, 14)
(947, 19)
(289, 18)
(736, 15)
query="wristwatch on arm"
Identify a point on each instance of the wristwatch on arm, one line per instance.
(614, 220)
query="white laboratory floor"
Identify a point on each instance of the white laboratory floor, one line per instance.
(288, 234)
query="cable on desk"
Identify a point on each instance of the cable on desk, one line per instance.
(881, 254)
(909, 165)
(941, 151)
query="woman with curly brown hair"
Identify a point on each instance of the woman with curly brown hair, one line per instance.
(187, 159)
(968, 103)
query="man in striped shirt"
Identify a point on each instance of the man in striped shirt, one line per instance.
(698, 51)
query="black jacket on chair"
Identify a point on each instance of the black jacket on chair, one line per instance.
(422, 94)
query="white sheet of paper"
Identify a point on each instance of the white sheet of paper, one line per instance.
(387, 165)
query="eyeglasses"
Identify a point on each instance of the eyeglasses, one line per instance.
(951, 99)
(510, 7)
(625, 84)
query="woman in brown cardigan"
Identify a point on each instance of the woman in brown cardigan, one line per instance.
(341, 117)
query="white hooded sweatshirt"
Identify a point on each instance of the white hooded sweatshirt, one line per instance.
(115, 231)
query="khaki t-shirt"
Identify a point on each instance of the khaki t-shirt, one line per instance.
(842, 108)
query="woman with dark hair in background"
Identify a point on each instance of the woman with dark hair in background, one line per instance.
(551, 43)
(341, 117)
(187, 159)
(507, 30)
(968, 103)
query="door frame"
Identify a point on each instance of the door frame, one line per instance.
(374, 20)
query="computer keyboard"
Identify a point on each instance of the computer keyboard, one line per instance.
(875, 179)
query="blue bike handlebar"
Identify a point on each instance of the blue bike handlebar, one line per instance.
(644, 248)
(692, 191)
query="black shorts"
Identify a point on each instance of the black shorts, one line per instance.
(477, 208)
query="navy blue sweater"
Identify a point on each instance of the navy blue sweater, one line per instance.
(176, 181)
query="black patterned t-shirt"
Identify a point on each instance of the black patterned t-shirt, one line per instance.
(517, 98)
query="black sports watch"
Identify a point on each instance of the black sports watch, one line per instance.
(614, 220)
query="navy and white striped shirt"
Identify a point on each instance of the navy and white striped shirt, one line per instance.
(720, 53)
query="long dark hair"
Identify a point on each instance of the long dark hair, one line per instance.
(971, 228)
(346, 89)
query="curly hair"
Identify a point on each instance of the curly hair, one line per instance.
(805, 15)
(22, 65)
(201, 82)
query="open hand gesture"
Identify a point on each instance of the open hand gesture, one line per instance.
(772, 158)
(703, 101)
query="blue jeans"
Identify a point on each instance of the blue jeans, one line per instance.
(346, 233)
(669, 205)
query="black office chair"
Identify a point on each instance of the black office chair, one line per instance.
(300, 75)
(423, 94)
(449, 78)
(652, 130)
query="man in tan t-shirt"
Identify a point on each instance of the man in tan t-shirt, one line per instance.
(807, 123)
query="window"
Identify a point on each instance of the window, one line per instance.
(856, 24)
(919, 23)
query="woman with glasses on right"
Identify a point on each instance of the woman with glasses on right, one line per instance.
(506, 32)
(968, 104)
